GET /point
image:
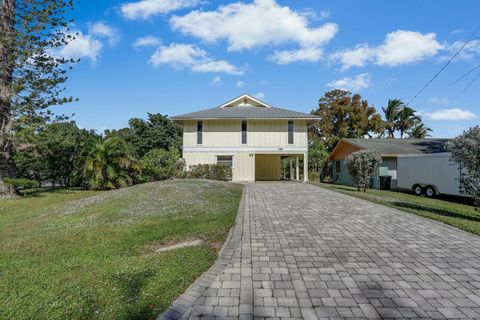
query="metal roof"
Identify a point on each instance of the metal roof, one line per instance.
(401, 146)
(234, 109)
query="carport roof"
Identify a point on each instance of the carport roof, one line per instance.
(245, 107)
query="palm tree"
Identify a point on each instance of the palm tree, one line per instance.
(407, 119)
(108, 164)
(391, 113)
(419, 131)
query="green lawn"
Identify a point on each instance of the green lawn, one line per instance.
(71, 254)
(458, 215)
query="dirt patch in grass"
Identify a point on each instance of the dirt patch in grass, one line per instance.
(217, 245)
(175, 245)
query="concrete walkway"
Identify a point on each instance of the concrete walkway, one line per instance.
(300, 251)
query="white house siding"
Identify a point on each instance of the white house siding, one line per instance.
(260, 133)
(243, 162)
(266, 141)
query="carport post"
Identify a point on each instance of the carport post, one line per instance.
(291, 169)
(297, 173)
(305, 167)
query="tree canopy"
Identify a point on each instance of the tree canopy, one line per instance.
(344, 115)
(157, 132)
(31, 77)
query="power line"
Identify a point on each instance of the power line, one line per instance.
(469, 84)
(464, 75)
(444, 67)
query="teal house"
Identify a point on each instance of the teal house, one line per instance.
(389, 149)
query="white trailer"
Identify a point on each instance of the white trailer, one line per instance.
(429, 174)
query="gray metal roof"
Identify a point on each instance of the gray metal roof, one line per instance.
(401, 146)
(245, 112)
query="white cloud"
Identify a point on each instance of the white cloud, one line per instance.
(260, 95)
(249, 26)
(82, 46)
(240, 84)
(103, 30)
(189, 56)
(87, 45)
(436, 100)
(450, 114)
(361, 81)
(217, 81)
(148, 41)
(469, 52)
(314, 15)
(216, 66)
(399, 47)
(289, 56)
(148, 8)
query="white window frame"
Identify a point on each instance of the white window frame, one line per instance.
(241, 132)
(225, 155)
(198, 132)
(288, 132)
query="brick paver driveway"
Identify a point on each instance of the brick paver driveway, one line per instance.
(300, 251)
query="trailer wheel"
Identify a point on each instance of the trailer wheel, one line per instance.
(430, 191)
(417, 189)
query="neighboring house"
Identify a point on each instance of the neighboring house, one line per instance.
(421, 165)
(249, 135)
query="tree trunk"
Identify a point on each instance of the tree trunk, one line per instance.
(7, 65)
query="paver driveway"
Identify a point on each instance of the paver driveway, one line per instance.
(300, 251)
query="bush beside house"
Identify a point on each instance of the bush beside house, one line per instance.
(361, 165)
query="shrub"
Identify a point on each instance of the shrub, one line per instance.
(210, 171)
(21, 183)
(160, 164)
(465, 150)
(361, 165)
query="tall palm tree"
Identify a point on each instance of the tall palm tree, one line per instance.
(407, 119)
(419, 131)
(109, 164)
(391, 113)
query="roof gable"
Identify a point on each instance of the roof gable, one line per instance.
(245, 100)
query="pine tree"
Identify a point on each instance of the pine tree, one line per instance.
(31, 77)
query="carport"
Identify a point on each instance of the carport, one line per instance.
(268, 167)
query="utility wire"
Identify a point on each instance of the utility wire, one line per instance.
(469, 84)
(464, 75)
(444, 67)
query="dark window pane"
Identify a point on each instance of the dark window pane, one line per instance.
(244, 132)
(290, 132)
(225, 160)
(199, 132)
(337, 166)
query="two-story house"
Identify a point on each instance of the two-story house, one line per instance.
(249, 135)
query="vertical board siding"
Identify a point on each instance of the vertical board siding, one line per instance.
(261, 133)
(243, 163)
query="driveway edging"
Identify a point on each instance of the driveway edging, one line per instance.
(183, 305)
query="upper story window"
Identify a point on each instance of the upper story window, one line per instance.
(290, 132)
(244, 132)
(199, 132)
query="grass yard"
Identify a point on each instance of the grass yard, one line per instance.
(71, 254)
(458, 215)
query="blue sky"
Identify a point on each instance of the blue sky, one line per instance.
(176, 56)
